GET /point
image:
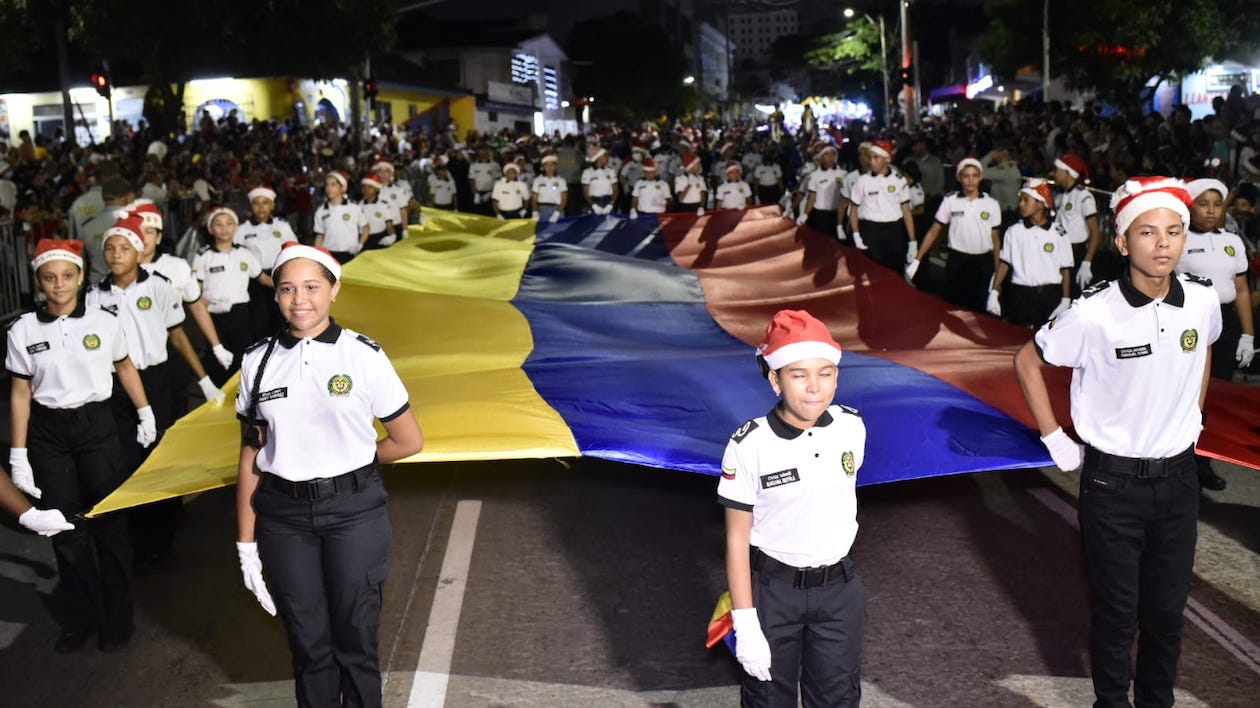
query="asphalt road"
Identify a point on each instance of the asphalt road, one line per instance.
(590, 583)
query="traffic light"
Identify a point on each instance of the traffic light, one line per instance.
(369, 90)
(907, 75)
(100, 82)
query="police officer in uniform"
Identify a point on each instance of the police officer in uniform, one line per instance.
(789, 487)
(62, 358)
(972, 218)
(310, 500)
(1139, 348)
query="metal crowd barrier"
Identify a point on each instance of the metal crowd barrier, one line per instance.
(15, 275)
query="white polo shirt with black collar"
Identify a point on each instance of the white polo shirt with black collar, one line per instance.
(264, 238)
(341, 225)
(1072, 208)
(800, 485)
(653, 195)
(147, 309)
(179, 273)
(879, 197)
(1218, 256)
(825, 186)
(69, 359)
(1035, 254)
(225, 275)
(970, 221)
(317, 400)
(1137, 363)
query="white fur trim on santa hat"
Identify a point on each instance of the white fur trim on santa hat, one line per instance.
(1064, 166)
(371, 181)
(798, 351)
(1135, 198)
(548, 158)
(337, 175)
(383, 165)
(319, 255)
(132, 237)
(263, 192)
(218, 211)
(57, 254)
(968, 162)
(1197, 187)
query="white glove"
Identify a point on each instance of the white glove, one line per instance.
(223, 355)
(912, 251)
(634, 213)
(500, 217)
(251, 569)
(1064, 304)
(357, 248)
(555, 215)
(210, 391)
(857, 241)
(1084, 275)
(840, 233)
(911, 269)
(802, 217)
(700, 211)
(1246, 350)
(476, 197)
(787, 212)
(20, 471)
(1067, 453)
(45, 522)
(993, 306)
(146, 431)
(751, 647)
(534, 215)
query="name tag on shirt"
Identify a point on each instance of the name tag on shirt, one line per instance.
(778, 479)
(273, 394)
(1197, 250)
(37, 348)
(1133, 352)
(217, 269)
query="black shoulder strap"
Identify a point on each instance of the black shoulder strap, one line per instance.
(253, 436)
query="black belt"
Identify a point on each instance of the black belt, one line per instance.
(802, 578)
(315, 489)
(1137, 467)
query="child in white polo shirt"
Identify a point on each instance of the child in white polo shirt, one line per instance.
(225, 270)
(339, 224)
(378, 214)
(789, 487)
(1038, 258)
(734, 193)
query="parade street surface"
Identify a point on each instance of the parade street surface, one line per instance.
(590, 583)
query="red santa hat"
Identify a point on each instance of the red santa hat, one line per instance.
(372, 180)
(793, 335)
(383, 166)
(322, 256)
(263, 192)
(820, 147)
(691, 162)
(733, 166)
(148, 212)
(1197, 187)
(1141, 194)
(340, 176)
(129, 228)
(883, 148)
(1073, 165)
(218, 211)
(440, 161)
(1039, 189)
(968, 162)
(49, 249)
(649, 165)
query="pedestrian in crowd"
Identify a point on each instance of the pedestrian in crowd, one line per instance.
(789, 487)
(1221, 257)
(1139, 348)
(651, 193)
(510, 196)
(91, 202)
(377, 214)
(690, 191)
(339, 223)
(225, 270)
(442, 189)
(117, 193)
(1005, 180)
(1038, 260)
(734, 193)
(818, 210)
(63, 358)
(881, 219)
(930, 167)
(1076, 213)
(599, 182)
(482, 174)
(310, 500)
(973, 219)
(550, 192)
(264, 234)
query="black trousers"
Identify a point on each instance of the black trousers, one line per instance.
(1078, 254)
(234, 334)
(687, 207)
(815, 637)
(1225, 348)
(886, 242)
(374, 240)
(967, 279)
(1029, 306)
(769, 195)
(823, 220)
(152, 525)
(74, 456)
(326, 560)
(264, 313)
(1139, 538)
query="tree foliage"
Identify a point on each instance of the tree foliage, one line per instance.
(1116, 48)
(630, 67)
(854, 48)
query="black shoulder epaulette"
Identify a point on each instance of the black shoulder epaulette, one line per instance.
(258, 344)
(951, 194)
(368, 341)
(850, 410)
(743, 430)
(1200, 279)
(1096, 288)
(158, 273)
(112, 312)
(206, 249)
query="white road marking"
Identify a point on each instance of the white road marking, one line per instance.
(1067, 692)
(1218, 629)
(428, 690)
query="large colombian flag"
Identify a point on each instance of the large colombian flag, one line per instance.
(633, 341)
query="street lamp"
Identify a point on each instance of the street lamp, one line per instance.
(883, 53)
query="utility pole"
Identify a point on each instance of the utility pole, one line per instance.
(1045, 52)
(907, 60)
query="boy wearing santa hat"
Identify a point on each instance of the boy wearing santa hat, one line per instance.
(651, 194)
(789, 487)
(1140, 351)
(1038, 259)
(690, 190)
(1076, 213)
(734, 193)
